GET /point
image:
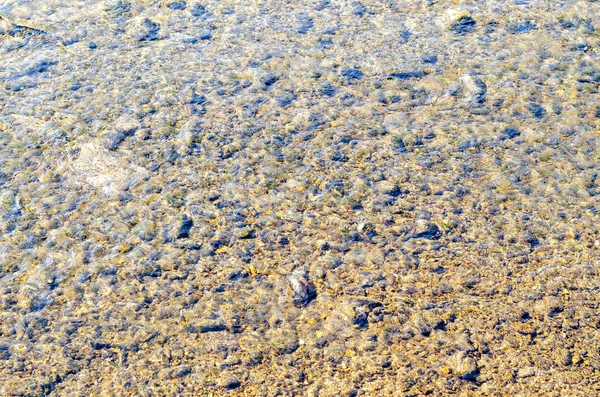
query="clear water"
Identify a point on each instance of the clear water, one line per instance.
(310, 198)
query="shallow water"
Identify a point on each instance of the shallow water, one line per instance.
(320, 198)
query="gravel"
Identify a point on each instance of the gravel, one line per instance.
(299, 198)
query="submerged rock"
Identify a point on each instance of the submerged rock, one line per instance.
(190, 135)
(462, 25)
(10, 202)
(536, 110)
(414, 74)
(509, 133)
(352, 74)
(463, 366)
(185, 227)
(232, 384)
(116, 8)
(176, 4)
(304, 289)
(104, 170)
(359, 9)
(144, 29)
(431, 59)
(304, 23)
(198, 10)
(326, 89)
(124, 127)
(474, 89)
(427, 230)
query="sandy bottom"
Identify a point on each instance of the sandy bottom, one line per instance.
(309, 198)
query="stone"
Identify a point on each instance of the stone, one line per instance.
(116, 8)
(509, 133)
(352, 74)
(208, 326)
(462, 25)
(104, 170)
(421, 326)
(325, 43)
(246, 233)
(474, 89)
(146, 230)
(390, 188)
(464, 367)
(304, 290)
(326, 89)
(198, 10)
(205, 35)
(287, 347)
(431, 59)
(536, 110)
(521, 27)
(563, 357)
(427, 230)
(6, 25)
(144, 29)
(359, 9)
(360, 318)
(414, 74)
(549, 306)
(10, 202)
(304, 23)
(185, 227)
(124, 127)
(268, 81)
(255, 358)
(557, 107)
(525, 372)
(232, 384)
(176, 4)
(190, 132)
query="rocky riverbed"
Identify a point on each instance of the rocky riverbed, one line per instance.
(311, 198)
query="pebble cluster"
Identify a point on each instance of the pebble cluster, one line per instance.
(317, 198)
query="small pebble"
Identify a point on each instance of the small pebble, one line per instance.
(185, 227)
(232, 384)
(145, 29)
(536, 110)
(116, 7)
(326, 88)
(176, 4)
(205, 35)
(509, 133)
(359, 9)
(352, 74)
(305, 23)
(415, 74)
(432, 59)
(463, 25)
(427, 230)
(521, 27)
(198, 10)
